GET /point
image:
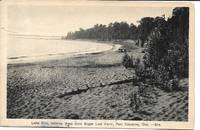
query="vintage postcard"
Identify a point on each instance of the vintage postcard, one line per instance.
(97, 64)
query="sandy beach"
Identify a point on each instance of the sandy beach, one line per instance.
(86, 86)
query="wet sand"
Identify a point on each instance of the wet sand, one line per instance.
(88, 86)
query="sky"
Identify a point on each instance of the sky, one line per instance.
(58, 20)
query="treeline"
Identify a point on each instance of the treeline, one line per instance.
(166, 57)
(118, 30)
(178, 28)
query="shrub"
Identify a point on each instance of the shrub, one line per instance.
(135, 101)
(173, 84)
(140, 70)
(127, 61)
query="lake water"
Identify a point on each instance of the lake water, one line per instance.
(26, 49)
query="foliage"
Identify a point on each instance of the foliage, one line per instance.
(167, 50)
(127, 61)
(112, 31)
(166, 54)
(144, 28)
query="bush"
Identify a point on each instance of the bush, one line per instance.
(135, 101)
(140, 70)
(173, 84)
(127, 61)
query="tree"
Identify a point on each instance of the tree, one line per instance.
(145, 27)
(133, 32)
(166, 56)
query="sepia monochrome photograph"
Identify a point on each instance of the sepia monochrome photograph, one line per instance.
(98, 62)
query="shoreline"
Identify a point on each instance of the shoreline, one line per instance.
(44, 58)
(89, 86)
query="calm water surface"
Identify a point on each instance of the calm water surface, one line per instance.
(23, 49)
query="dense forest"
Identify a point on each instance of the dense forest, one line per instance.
(166, 42)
